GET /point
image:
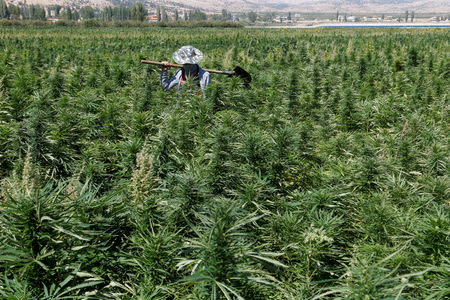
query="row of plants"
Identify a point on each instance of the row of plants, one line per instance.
(327, 178)
(97, 23)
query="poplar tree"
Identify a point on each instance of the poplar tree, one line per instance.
(69, 13)
(13, 10)
(75, 15)
(107, 14)
(164, 15)
(138, 12)
(42, 14)
(87, 12)
(252, 16)
(4, 12)
(33, 12)
(158, 13)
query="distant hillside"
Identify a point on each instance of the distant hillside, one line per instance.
(355, 6)
(362, 6)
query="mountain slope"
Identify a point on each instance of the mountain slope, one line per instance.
(356, 6)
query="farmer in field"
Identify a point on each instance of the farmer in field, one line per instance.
(188, 56)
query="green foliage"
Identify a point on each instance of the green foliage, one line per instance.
(138, 12)
(252, 16)
(368, 279)
(4, 11)
(197, 15)
(222, 258)
(327, 177)
(125, 22)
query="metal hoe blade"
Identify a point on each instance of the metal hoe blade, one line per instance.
(246, 77)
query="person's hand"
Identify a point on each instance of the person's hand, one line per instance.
(165, 67)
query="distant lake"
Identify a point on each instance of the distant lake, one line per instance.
(385, 26)
(357, 25)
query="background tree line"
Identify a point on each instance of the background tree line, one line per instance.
(135, 12)
(36, 12)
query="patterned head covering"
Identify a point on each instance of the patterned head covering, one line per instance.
(187, 55)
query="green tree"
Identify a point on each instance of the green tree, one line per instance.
(252, 16)
(226, 15)
(138, 12)
(412, 16)
(267, 17)
(164, 16)
(14, 10)
(158, 13)
(25, 12)
(406, 16)
(87, 12)
(121, 13)
(42, 14)
(58, 10)
(107, 14)
(197, 15)
(176, 15)
(4, 11)
(33, 15)
(69, 13)
(75, 15)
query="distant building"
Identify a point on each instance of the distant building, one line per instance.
(153, 18)
(14, 2)
(352, 19)
(15, 17)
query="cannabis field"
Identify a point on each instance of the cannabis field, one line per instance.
(327, 178)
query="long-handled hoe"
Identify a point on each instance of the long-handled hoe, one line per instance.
(237, 71)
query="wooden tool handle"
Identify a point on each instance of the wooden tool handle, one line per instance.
(158, 63)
